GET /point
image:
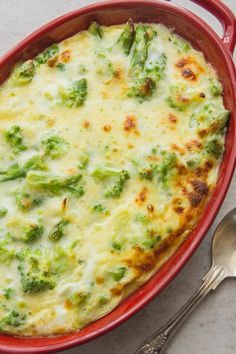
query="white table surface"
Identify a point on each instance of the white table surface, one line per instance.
(211, 329)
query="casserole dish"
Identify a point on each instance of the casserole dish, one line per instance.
(57, 31)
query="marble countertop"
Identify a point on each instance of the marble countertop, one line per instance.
(211, 328)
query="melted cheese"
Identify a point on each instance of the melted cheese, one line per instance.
(111, 245)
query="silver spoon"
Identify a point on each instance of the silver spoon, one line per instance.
(223, 266)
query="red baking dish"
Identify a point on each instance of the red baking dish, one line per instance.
(218, 52)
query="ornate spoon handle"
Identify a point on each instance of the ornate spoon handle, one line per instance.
(157, 342)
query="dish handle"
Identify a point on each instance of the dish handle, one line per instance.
(226, 17)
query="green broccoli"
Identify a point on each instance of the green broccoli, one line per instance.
(169, 160)
(55, 146)
(181, 45)
(83, 161)
(40, 268)
(216, 88)
(31, 232)
(150, 240)
(14, 138)
(24, 73)
(142, 88)
(126, 38)
(16, 171)
(144, 34)
(8, 293)
(26, 231)
(36, 270)
(95, 29)
(55, 184)
(3, 212)
(178, 98)
(120, 178)
(148, 72)
(147, 172)
(211, 116)
(47, 54)
(75, 95)
(7, 253)
(27, 201)
(118, 273)
(14, 319)
(58, 230)
(98, 208)
(215, 146)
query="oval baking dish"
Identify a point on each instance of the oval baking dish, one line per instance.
(218, 53)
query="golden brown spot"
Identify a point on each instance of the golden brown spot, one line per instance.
(52, 61)
(181, 63)
(175, 147)
(117, 291)
(200, 187)
(150, 208)
(142, 196)
(188, 74)
(130, 124)
(130, 146)
(99, 280)
(65, 56)
(179, 210)
(86, 124)
(107, 128)
(172, 118)
(68, 304)
(202, 133)
(193, 144)
(202, 95)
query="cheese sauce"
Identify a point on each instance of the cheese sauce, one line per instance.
(111, 143)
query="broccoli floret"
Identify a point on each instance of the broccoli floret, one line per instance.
(151, 239)
(83, 161)
(56, 185)
(102, 173)
(167, 164)
(40, 268)
(147, 172)
(126, 38)
(31, 232)
(116, 190)
(120, 179)
(14, 319)
(36, 270)
(7, 253)
(8, 293)
(144, 34)
(58, 230)
(14, 138)
(55, 146)
(27, 201)
(95, 29)
(16, 171)
(98, 208)
(142, 88)
(24, 73)
(118, 273)
(3, 212)
(152, 72)
(61, 66)
(181, 45)
(216, 88)
(25, 231)
(47, 54)
(211, 116)
(214, 146)
(75, 95)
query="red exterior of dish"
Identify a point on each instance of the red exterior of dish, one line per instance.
(217, 52)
